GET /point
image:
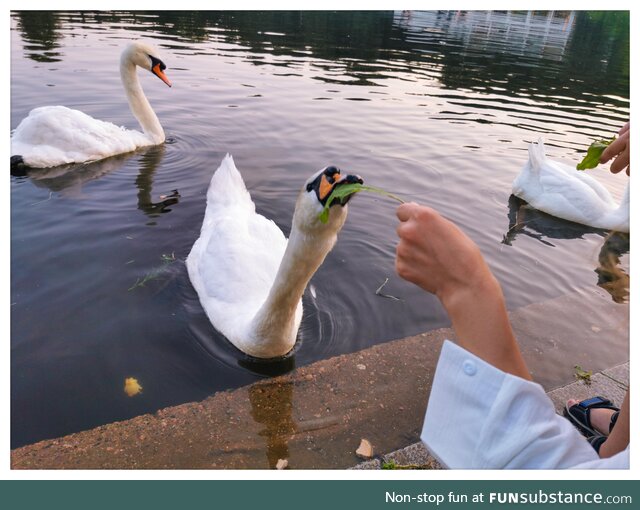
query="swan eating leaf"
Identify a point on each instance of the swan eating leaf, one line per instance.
(346, 190)
(248, 276)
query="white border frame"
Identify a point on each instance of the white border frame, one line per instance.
(7, 473)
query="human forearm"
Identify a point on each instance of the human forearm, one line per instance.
(482, 326)
(436, 255)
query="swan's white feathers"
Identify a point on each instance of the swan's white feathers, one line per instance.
(563, 191)
(227, 189)
(250, 279)
(245, 246)
(56, 135)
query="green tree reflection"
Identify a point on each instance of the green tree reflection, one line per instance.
(544, 52)
(40, 30)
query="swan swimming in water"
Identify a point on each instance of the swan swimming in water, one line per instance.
(56, 135)
(570, 194)
(250, 279)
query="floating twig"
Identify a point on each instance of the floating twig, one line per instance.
(155, 273)
(388, 296)
(45, 200)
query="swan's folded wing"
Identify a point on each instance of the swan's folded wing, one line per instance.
(233, 265)
(573, 200)
(585, 179)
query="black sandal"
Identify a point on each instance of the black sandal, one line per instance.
(580, 415)
(596, 442)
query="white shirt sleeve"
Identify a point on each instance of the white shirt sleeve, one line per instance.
(480, 417)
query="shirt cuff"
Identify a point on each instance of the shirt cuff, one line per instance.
(464, 387)
(481, 417)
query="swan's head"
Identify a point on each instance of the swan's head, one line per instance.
(314, 196)
(145, 56)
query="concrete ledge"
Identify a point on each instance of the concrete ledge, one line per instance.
(316, 415)
(600, 385)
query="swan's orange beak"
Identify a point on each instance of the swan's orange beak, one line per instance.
(326, 187)
(156, 69)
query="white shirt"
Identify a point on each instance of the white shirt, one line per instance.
(480, 417)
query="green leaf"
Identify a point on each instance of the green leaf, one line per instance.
(344, 190)
(594, 152)
(582, 375)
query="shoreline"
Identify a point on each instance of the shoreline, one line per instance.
(315, 416)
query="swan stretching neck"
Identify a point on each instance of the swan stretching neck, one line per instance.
(249, 278)
(276, 324)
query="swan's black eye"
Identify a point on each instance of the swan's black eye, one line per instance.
(315, 184)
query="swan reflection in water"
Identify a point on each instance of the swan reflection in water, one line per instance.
(149, 163)
(69, 179)
(525, 220)
(272, 406)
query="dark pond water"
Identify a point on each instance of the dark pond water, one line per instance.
(437, 107)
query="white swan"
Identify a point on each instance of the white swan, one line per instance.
(563, 191)
(249, 278)
(55, 135)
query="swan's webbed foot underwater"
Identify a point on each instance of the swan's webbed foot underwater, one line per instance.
(169, 199)
(165, 201)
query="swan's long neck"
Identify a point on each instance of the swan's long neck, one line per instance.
(138, 102)
(276, 324)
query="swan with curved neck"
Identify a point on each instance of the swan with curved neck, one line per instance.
(562, 191)
(56, 135)
(250, 279)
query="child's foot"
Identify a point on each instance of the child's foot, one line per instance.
(594, 416)
(601, 418)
